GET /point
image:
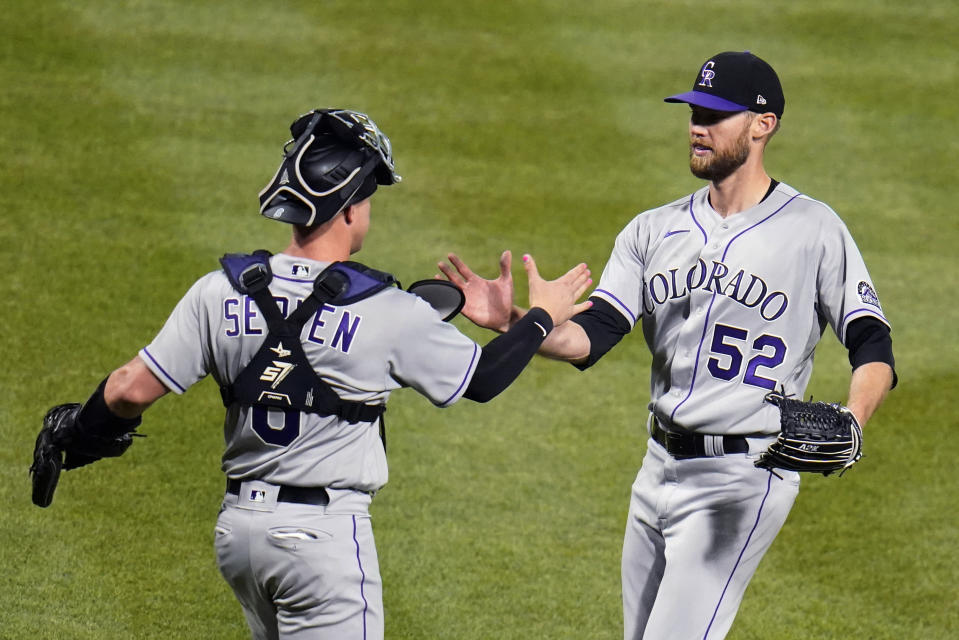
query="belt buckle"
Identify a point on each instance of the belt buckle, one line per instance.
(673, 441)
(677, 445)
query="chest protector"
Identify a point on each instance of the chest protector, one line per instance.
(280, 375)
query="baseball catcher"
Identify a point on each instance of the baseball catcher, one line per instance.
(815, 436)
(307, 345)
(74, 435)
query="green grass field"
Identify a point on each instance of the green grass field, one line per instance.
(135, 136)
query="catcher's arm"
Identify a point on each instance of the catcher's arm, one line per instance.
(132, 388)
(868, 388)
(488, 302)
(74, 435)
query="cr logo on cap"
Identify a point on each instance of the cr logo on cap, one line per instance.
(708, 74)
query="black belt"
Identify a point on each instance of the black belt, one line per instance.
(302, 495)
(692, 445)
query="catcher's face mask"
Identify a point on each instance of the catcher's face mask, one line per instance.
(335, 157)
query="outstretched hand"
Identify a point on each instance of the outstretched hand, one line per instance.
(489, 303)
(558, 297)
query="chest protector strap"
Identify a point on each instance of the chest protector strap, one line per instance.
(280, 375)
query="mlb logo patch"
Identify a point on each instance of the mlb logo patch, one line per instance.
(301, 270)
(257, 495)
(867, 294)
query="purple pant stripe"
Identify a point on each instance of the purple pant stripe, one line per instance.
(739, 559)
(362, 577)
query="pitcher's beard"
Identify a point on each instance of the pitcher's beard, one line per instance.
(719, 165)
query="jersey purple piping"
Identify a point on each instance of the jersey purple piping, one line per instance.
(164, 371)
(702, 338)
(465, 377)
(845, 321)
(619, 302)
(693, 216)
(741, 552)
(748, 229)
(864, 310)
(362, 577)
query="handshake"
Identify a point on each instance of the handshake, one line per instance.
(489, 303)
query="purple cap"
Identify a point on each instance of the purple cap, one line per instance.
(735, 81)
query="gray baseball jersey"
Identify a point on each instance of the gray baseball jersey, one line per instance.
(733, 308)
(364, 350)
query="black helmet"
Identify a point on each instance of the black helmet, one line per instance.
(336, 158)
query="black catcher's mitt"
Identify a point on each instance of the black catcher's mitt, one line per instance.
(61, 433)
(815, 436)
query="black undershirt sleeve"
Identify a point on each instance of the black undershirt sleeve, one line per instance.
(505, 357)
(869, 340)
(604, 327)
(96, 420)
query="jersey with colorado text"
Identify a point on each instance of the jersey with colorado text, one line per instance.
(364, 350)
(733, 308)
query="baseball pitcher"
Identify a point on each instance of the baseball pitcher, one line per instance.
(732, 287)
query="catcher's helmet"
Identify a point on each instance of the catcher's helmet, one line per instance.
(336, 157)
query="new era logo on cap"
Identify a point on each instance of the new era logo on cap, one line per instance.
(736, 81)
